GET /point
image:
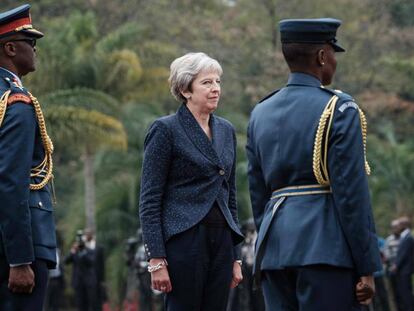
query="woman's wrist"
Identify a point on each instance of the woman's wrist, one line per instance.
(239, 262)
(154, 261)
(156, 264)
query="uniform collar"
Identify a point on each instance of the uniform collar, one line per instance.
(12, 76)
(298, 78)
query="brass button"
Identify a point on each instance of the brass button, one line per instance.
(221, 172)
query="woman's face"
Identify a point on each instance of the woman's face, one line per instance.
(205, 91)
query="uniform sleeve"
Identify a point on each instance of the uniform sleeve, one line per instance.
(346, 164)
(259, 195)
(157, 157)
(232, 184)
(233, 195)
(17, 136)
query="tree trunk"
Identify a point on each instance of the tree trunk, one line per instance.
(90, 202)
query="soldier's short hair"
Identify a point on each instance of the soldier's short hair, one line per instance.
(185, 69)
(300, 54)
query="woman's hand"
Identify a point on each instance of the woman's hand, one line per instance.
(365, 290)
(237, 275)
(160, 279)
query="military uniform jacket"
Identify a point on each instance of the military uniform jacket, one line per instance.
(335, 228)
(26, 221)
(183, 175)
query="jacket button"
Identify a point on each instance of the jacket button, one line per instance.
(221, 172)
(40, 204)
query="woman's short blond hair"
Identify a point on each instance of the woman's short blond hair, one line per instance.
(185, 69)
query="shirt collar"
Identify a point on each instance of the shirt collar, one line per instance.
(299, 78)
(405, 233)
(15, 77)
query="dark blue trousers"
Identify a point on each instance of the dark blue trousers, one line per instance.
(200, 265)
(405, 292)
(310, 288)
(23, 302)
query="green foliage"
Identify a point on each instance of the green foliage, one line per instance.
(402, 12)
(102, 79)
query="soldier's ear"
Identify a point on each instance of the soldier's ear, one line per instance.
(9, 49)
(321, 57)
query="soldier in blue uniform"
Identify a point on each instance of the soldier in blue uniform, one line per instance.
(27, 230)
(316, 247)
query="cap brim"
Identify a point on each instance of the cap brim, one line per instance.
(337, 47)
(33, 33)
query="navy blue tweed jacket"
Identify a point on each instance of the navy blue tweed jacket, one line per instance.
(183, 174)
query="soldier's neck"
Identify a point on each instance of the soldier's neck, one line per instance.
(310, 71)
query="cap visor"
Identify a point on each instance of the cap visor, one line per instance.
(33, 33)
(337, 47)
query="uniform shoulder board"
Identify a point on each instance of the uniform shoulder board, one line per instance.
(345, 100)
(18, 98)
(269, 95)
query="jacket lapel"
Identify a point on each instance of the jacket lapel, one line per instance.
(197, 135)
(218, 135)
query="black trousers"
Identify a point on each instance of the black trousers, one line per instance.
(85, 296)
(310, 288)
(405, 292)
(23, 302)
(200, 265)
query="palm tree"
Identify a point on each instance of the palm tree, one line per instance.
(75, 119)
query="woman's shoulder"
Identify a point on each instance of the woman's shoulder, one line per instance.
(165, 121)
(224, 123)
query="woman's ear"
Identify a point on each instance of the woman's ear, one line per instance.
(321, 57)
(186, 94)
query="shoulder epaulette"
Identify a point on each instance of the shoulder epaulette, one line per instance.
(16, 94)
(341, 95)
(269, 95)
(19, 98)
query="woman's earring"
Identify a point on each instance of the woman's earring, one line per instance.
(322, 63)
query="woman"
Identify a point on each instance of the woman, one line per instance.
(188, 195)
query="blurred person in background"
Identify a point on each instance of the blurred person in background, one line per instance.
(90, 242)
(84, 279)
(392, 243)
(56, 286)
(187, 204)
(380, 301)
(404, 266)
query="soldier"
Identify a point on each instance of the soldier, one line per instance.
(27, 239)
(316, 248)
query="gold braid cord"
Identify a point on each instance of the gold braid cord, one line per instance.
(3, 105)
(320, 159)
(320, 156)
(364, 139)
(43, 170)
